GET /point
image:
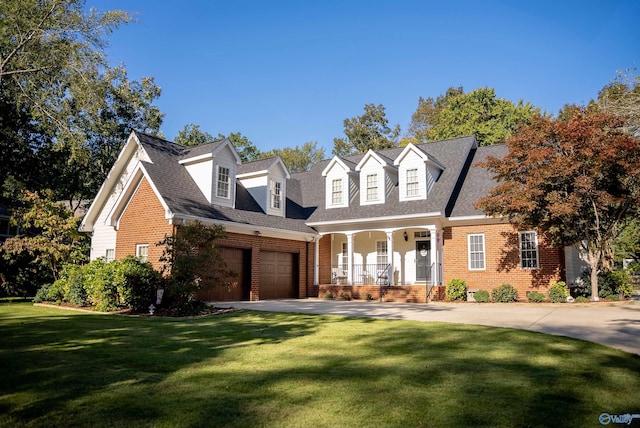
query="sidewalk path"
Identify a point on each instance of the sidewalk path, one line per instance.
(611, 324)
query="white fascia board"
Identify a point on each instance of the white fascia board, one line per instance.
(196, 159)
(130, 147)
(282, 165)
(335, 160)
(227, 143)
(253, 174)
(246, 229)
(375, 219)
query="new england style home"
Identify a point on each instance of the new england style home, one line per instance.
(399, 221)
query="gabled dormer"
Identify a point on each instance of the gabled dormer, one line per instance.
(213, 168)
(266, 181)
(417, 172)
(340, 182)
(377, 177)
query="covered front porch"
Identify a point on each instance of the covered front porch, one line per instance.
(398, 264)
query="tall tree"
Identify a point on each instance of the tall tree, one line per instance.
(576, 180)
(368, 131)
(66, 107)
(191, 135)
(480, 112)
(299, 159)
(428, 114)
(621, 97)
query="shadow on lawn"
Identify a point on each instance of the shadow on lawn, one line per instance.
(251, 369)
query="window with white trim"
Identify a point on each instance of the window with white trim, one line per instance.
(382, 257)
(222, 187)
(336, 191)
(476, 251)
(412, 182)
(142, 252)
(109, 255)
(276, 194)
(528, 250)
(344, 258)
(372, 187)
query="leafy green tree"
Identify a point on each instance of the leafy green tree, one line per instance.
(575, 180)
(191, 135)
(621, 97)
(48, 233)
(65, 110)
(299, 158)
(192, 261)
(246, 149)
(368, 131)
(481, 113)
(428, 114)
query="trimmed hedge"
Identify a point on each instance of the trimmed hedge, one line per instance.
(456, 290)
(481, 296)
(558, 292)
(536, 297)
(504, 293)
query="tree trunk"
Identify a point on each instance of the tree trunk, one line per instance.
(594, 283)
(593, 259)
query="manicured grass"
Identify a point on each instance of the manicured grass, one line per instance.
(60, 368)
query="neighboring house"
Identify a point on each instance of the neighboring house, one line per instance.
(397, 220)
(6, 229)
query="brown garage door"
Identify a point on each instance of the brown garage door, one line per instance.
(237, 260)
(278, 275)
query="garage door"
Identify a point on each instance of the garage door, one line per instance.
(278, 275)
(237, 260)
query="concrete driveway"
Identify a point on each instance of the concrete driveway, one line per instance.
(612, 324)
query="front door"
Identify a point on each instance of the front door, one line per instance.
(423, 260)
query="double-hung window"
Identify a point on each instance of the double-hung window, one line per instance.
(412, 182)
(110, 255)
(528, 250)
(276, 194)
(372, 187)
(336, 191)
(222, 189)
(476, 252)
(142, 252)
(382, 258)
(344, 258)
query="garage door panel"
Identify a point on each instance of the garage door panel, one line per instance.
(278, 275)
(235, 259)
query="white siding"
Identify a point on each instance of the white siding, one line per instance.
(337, 173)
(202, 174)
(224, 158)
(257, 187)
(574, 265)
(413, 161)
(104, 236)
(372, 167)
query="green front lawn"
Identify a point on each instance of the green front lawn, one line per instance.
(60, 368)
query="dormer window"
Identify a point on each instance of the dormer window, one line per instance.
(372, 187)
(412, 182)
(223, 182)
(276, 194)
(336, 191)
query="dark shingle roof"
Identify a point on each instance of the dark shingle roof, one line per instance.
(183, 196)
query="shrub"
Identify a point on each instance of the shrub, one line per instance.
(481, 296)
(613, 297)
(504, 293)
(536, 297)
(368, 296)
(136, 283)
(456, 290)
(609, 283)
(558, 292)
(345, 296)
(328, 296)
(582, 299)
(42, 295)
(100, 284)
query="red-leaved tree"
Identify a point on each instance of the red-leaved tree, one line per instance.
(575, 180)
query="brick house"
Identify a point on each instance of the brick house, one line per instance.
(399, 221)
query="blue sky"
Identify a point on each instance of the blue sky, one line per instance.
(286, 72)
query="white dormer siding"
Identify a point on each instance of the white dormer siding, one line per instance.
(215, 173)
(417, 174)
(377, 177)
(267, 186)
(338, 184)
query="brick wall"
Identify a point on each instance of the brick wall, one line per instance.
(143, 222)
(502, 260)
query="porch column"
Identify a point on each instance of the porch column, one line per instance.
(390, 257)
(433, 232)
(350, 258)
(316, 260)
